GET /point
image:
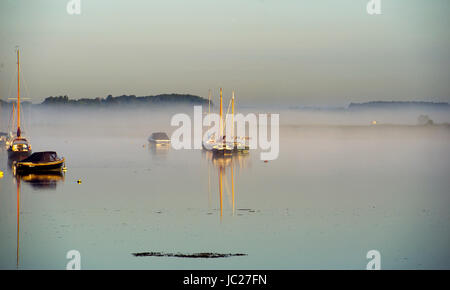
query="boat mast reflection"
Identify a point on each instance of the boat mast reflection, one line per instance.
(37, 181)
(18, 221)
(222, 164)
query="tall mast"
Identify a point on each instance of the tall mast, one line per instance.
(221, 114)
(232, 114)
(18, 93)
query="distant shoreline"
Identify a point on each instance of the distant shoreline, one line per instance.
(166, 100)
(398, 105)
(380, 105)
(119, 101)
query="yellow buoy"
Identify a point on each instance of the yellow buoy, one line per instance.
(1, 174)
(79, 181)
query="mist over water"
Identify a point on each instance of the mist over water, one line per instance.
(340, 188)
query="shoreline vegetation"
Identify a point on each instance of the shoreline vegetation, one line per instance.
(119, 101)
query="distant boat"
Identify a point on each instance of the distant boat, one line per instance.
(159, 138)
(220, 146)
(46, 161)
(240, 146)
(18, 146)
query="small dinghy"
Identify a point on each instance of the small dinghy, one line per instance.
(39, 162)
(159, 138)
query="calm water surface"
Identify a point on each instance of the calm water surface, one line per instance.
(334, 193)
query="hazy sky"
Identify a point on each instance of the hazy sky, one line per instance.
(303, 52)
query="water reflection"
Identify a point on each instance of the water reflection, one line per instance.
(226, 168)
(38, 181)
(18, 221)
(43, 180)
(158, 149)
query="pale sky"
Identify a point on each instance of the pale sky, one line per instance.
(303, 52)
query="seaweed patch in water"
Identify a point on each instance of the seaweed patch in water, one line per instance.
(180, 255)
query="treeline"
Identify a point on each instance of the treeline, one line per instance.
(125, 100)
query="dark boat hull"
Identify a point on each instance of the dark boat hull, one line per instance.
(237, 149)
(28, 167)
(222, 152)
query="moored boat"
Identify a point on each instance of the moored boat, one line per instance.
(222, 149)
(46, 161)
(159, 138)
(18, 148)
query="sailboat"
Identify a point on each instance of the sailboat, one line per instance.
(221, 147)
(218, 145)
(18, 146)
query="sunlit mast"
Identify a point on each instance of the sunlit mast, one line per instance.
(232, 115)
(221, 115)
(18, 93)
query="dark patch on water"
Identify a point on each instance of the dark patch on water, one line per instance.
(181, 255)
(247, 209)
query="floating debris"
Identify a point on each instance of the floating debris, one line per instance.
(180, 255)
